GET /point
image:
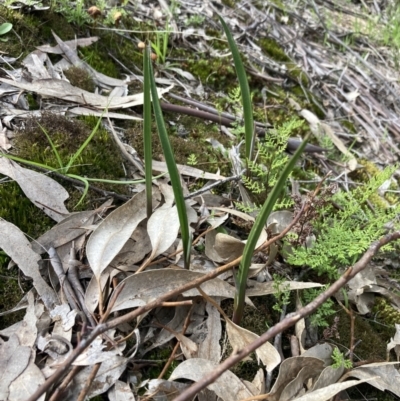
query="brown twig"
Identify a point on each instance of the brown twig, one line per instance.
(175, 350)
(60, 389)
(88, 382)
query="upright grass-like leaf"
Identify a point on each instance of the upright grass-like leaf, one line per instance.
(244, 91)
(173, 171)
(147, 129)
(71, 161)
(256, 231)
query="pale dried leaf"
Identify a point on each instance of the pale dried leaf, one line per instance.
(259, 381)
(256, 289)
(144, 287)
(65, 315)
(14, 359)
(92, 291)
(84, 111)
(328, 376)
(27, 383)
(66, 231)
(227, 247)
(81, 42)
(162, 228)
(165, 389)
(395, 342)
(279, 221)
(45, 193)
(18, 248)
(210, 348)
(326, 393)
(228, 386)
(240, 338)
(290, 368)
(109, 372)
(112, 233)
(95, 353)
(64, 90)
(185, 170)
(134, 250)
(382, 375)
(120, 392)
(319, 128)
(27, 333)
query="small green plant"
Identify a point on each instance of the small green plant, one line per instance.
(170, 161)
(5, 28)
(281, 292)
(271, 157)
(73, 12)
(160, 46)
(339, 360)
(194, 20)
(192, 160)
(319, 317)
(344, 234)
(259, 224)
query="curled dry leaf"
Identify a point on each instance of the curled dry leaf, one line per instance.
(326, 393)
(395, 342)
(228, 386)
(240, 337)
(382, 375)
(110, 236)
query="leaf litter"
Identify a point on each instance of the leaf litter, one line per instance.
(124, 238)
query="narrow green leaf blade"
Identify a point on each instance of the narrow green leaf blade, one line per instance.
(173, 172)
(147, 145)
(256, 231)
(244, 90)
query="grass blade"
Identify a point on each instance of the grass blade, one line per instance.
(147, 129)
(244, 91)
(173, 172)
(53, 147)
(83, 146)
(256, 231)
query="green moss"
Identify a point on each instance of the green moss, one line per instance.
(217, 73)
(100, 159)
(80, 78)
(385, 312)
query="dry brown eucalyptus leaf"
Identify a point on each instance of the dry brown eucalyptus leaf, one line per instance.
(228, 386)
(112, 233)
(45, 193)
(27, 383)
(18, 248)
(14, 359)
(144, 287)
(162, 228)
